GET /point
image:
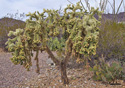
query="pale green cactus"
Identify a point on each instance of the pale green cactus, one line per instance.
(81, 28)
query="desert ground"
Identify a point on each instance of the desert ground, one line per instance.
(15, 76)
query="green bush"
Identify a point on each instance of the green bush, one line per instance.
(107, 72)
(56, 44)
(111, 40)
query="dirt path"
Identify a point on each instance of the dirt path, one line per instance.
(11, 75)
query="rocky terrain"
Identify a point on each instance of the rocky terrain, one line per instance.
(15, 76)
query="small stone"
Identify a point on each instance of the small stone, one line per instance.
(60, 80)
(100, 84)
(69, 85)
(69, 76)
(94, 84)
(85, 82)
(35, 86)
(75, 86)
(39, 79)
(42, 84)
(41, 76)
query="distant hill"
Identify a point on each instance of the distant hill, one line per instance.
(120, 16)
(10, 22)
(6, 25)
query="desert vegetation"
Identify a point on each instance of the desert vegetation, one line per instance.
(77, 37)
(6, 25)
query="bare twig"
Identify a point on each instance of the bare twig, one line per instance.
(114, 6)
(110, 4)
(87, 4)
(119, 6)
(106, 1)
(70, 2)
(60, 10)
(103, 4)
(82, 4)
(100, 4)
(124, 6)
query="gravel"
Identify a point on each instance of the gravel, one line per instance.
(16, 76)
(12, 75)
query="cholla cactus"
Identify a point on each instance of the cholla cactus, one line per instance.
(83, 30)
(18, 49)
(80, 26)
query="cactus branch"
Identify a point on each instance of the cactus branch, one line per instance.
(55, 60)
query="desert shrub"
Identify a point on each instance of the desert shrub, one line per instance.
(107, 72)
(6, 25)
(40, 29)
(111, 40)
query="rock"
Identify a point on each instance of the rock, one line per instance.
(42, 84)
(85, 82)
(94, 84)
(27, 87)
(68, 85)
(41, 76)
(74, 86)
(54, 87)
(50, 62)
(60, 80)
(69, 76)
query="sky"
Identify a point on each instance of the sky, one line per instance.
(26, 6)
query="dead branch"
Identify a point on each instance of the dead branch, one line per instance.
(119, 6)
(70, 2)
(82, 4)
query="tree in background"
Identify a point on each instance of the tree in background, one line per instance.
(103, 6)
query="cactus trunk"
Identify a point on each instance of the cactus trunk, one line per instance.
(64, 73)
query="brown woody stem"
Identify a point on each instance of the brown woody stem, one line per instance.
(55, 60)
(37, 62)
